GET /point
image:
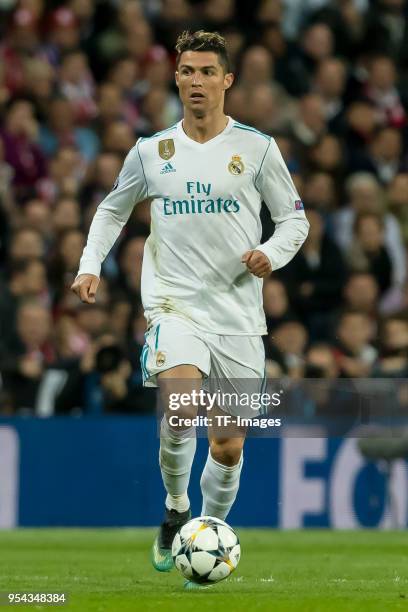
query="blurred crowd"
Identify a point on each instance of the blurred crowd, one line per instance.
(81, 80)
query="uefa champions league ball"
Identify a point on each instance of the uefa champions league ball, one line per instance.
(206, 550)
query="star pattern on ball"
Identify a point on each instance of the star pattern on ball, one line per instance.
(206, 550)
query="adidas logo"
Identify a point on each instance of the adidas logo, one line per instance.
(167, 168)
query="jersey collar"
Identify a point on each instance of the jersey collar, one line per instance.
(203, 145)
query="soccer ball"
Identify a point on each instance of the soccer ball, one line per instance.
(206, 550)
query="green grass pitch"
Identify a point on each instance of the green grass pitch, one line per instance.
(308, 571)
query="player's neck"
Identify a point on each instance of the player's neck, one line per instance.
(202, 129)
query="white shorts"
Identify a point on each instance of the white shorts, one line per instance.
(228, 363)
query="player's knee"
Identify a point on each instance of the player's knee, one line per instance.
(226, 452)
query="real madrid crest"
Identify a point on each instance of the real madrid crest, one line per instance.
(236, 166)
(160, 359)
(166, 148)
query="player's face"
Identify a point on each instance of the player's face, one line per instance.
(201, 81)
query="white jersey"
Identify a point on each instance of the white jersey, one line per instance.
(205, 214)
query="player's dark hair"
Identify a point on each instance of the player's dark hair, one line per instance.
(203, 41)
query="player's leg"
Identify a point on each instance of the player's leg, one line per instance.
(237, 368)
(174, 358)
(177, 450)
(221, 474)
(177, 441)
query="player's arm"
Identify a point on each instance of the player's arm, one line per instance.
(110, 217)
(291, 226)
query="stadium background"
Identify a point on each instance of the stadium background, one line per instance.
(79, 82)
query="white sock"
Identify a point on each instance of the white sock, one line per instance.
(177, 450)
(181, 503)
(219, 486)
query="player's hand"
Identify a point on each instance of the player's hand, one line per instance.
(257, 263)
(85, 286)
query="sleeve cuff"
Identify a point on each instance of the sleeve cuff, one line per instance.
(90, 267)
(264, 249)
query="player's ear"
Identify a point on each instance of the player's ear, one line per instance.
(228, 80)
(176, 77)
